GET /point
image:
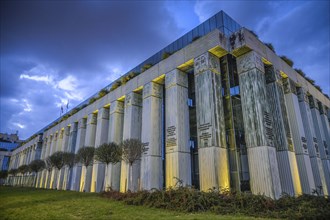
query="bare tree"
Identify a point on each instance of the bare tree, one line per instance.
(132, 151)
(108, 153)
(57, 159)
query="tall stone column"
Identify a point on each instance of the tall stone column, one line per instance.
(212, 150)
(70, 148)
(65, 142)
(286, 157)
(177, 151)
(324, 125)
(132, 129)
(80, 141)
(101, 138)
(324, 151)
(263, 167)
(299, 138)
(152, 124)
(116, 124)
(49, 152)
(312, 145)
(86, 172)
(56, 143)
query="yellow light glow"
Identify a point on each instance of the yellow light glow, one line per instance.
(218, 51)
(187, 65)
(265, 61)
(284, 75)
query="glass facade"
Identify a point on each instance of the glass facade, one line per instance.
(238, 162)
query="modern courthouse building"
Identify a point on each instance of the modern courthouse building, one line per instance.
(216, 109)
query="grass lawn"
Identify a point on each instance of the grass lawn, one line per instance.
(29, 203)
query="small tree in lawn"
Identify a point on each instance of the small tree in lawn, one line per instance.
(36, 166)
(108, 153)
(23, 169)
(13, 172)
(85, 156)
(57, 161)
(132, 150)
(69, 161)
(49, 166)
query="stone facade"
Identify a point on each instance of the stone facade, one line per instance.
(222, 112)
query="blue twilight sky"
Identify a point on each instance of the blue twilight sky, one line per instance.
(55, 51)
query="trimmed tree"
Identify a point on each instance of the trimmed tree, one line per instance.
(132, 150)
(49, 166)
(57, 161)
(23, 169)
(36, 166)
(108, 153)
(69, 161)
(85, 156)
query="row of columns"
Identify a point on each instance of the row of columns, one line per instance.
(287, 136)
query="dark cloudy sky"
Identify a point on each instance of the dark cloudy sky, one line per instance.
(55, 51)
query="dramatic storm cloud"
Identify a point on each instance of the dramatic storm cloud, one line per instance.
(54, 52)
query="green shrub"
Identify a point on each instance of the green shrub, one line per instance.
(184, 199)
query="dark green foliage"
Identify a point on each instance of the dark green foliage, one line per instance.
(108, 153)
(270, 46)
(3, 174)
(253, 33)
(13, 172)
(85, 155)
(310, 80)
(300, 72)
(165, 55)
(186, 199)
(146, 66)
(287, 60)
(57, 159)
(318, 88)
(115, 85)
(23, 169)
(102, 93)
(48, 164)
(37, 165)
(68, 159)
(92, 100)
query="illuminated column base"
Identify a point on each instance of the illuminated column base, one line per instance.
(312, 145)
(212, 152)
(80, 140)
(101, 138)
(287, 162)
(132, 129)
(214, 170)
(177, 151)
(298, 137)
(116, 121)
(60, 178)
(152, 118)
(263, 166)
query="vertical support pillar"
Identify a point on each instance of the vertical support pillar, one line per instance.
(101, 138)
(286, 158)
(212, 149)
(56, 142)
(71, 148)
(86, 172)
(80, 140)
(152, 120)
(49, 152)
(65, 143)
(312, 145)
(299, 138)
(324, 151)
(263, 167)
(177, 151)
(116, 123)
(132, 129)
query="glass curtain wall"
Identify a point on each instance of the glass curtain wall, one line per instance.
(238, 161)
